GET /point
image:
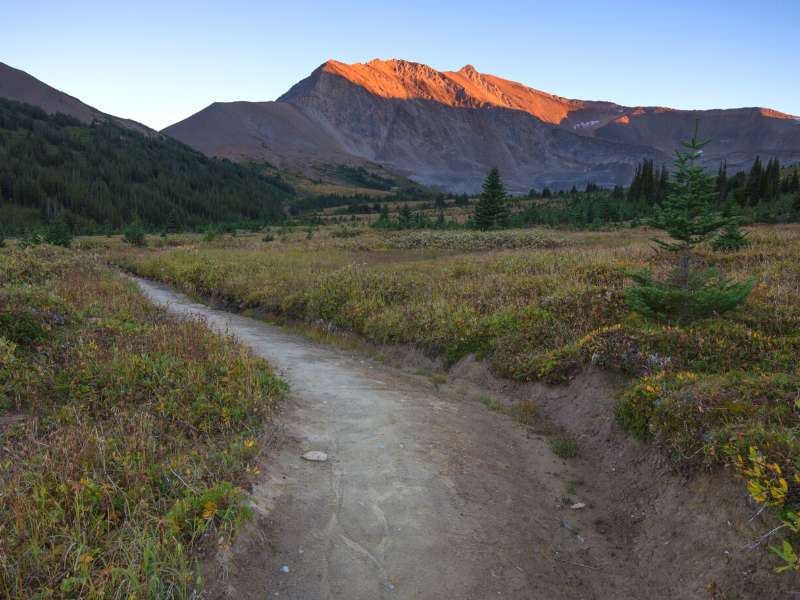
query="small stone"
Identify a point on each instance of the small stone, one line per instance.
(578, 506)
(285, 568)
(315, 456)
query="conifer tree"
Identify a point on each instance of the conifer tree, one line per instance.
(772, 182)
(404, 217)
(689, 219)
(440, 222)
(731, 238)
(753, 187)
(491, 210)
(663, 185)
(722, 182)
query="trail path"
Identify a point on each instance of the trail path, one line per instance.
(425, 495)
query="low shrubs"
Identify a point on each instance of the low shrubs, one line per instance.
(469, 241)
(131, 439)
(706, 389)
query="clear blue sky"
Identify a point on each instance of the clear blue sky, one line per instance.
(158, 62)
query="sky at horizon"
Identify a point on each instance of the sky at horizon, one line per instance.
(159, 62)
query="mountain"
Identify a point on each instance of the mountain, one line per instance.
(18, 85)
(448, 128)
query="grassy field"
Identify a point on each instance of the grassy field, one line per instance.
(538, 305)
(127, 438)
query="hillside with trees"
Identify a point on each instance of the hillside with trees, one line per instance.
(102, 177)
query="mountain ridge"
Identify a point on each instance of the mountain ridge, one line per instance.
(20, 86)
(447, 128)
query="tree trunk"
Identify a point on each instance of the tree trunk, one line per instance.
(686, 259)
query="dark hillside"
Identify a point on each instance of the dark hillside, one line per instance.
(100, 177)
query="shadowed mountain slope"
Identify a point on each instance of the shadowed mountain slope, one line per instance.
(19, 86)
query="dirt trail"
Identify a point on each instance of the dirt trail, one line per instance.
(426, 495)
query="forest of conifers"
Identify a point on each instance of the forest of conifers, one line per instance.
(102, 177)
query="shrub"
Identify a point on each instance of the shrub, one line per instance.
(58, 234)
(221, 506)
(138, 433)
(473, 240)
(31, 238)
(134, 235)
(210, 234)
(564, 447)
(345, 232)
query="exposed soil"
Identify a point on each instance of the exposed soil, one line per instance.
(427, 494)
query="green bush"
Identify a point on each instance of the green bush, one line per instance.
(210, 234)
(31, 238)
(564, 447)
(58, 234)
(134, 235)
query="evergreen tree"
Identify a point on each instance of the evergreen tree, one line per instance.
(754, 183)
(404, 217)
(491, 210)
(772, 181)
(383, 217)
(722, 182)
(731, 238)
(635, 189)
(663, 185)
(687, 216)
(58, 234)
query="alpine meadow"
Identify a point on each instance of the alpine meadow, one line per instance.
(402, 332)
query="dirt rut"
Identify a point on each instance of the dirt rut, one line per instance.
(425, 495)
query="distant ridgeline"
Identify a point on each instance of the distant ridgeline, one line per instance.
(100, 178)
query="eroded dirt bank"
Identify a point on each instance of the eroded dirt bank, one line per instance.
(429, 495)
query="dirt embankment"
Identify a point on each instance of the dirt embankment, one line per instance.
(694, 535)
